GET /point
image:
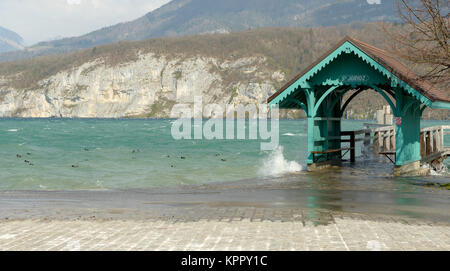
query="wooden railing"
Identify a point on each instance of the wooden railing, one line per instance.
(432, 139)
(382, 139)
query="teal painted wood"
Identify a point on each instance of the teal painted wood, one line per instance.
(349, 70)
(334, 127)
(335, 102)
(408, 132)
(311, 140)
(408, 137)
(373, 73)
(440, 105)
(310, 101)
(320, 91)
(302, 105)
(325, 95)
(388, 100)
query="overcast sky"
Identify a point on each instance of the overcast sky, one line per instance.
(39, 20)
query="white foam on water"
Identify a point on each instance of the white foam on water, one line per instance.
(291, 134)
(442, 172)
(13, 130)
(276, 165)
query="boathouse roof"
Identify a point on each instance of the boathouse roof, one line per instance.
(383, 58)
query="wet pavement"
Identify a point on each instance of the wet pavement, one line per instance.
(329, 193)
(338, 209)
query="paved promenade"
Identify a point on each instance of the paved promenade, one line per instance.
(253, 215)
(235, 234)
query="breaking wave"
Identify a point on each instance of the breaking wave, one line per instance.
(276, 165)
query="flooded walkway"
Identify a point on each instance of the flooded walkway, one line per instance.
(336, 210)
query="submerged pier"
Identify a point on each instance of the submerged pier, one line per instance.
(356, 66)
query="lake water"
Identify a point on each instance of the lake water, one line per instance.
(80, 154)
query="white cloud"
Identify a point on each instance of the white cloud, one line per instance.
(39, 20)
(374, 2)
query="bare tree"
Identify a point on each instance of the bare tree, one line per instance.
(423, 38)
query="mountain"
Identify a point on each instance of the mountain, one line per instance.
(188, 17)
(9, 41)
(146, 78)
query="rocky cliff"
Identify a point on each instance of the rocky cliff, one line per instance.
(146, 78)
(148, 87)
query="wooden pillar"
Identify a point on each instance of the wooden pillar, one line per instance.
(408, 132)
(310, 140)
(423, 146)
(310, 103)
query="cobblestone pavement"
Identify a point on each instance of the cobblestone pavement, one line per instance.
(342, 233)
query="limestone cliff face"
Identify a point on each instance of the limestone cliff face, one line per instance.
(148, 87)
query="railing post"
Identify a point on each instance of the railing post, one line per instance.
(423, 146)
(376, 142)
(387, 141)
(441, 138)
(352, 146)
(428, 143)
(366, 140)
(394, 144)
(436, 140)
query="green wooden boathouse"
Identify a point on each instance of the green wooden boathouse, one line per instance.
(354, 65)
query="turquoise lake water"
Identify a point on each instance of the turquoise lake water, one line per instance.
(76, 154)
